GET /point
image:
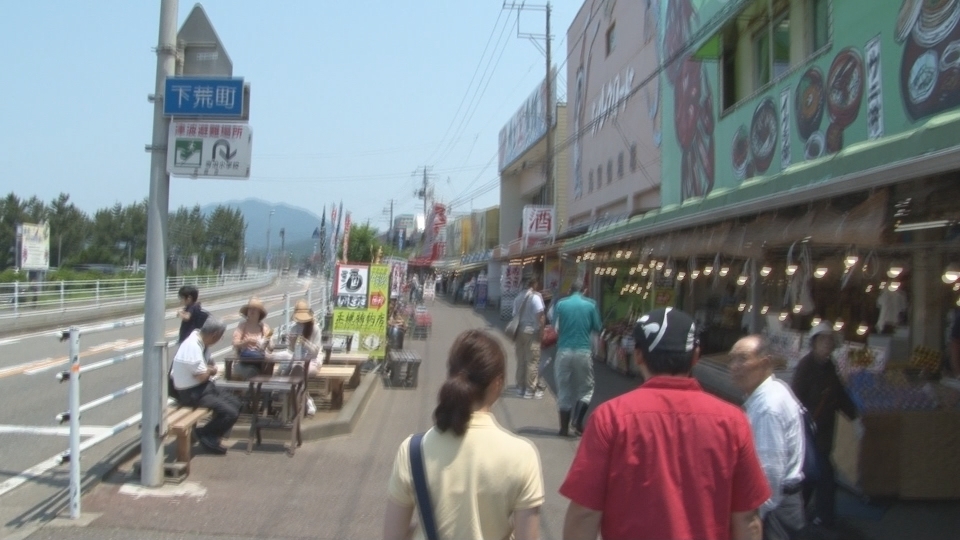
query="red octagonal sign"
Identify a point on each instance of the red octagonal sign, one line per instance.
(377, 300)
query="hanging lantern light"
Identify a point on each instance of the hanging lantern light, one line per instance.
(896, 268)
(838, 326)
(851, 260)
(694, 274)
(764, 310)
(820, 272)
(741, 280)
(791, 269)
(869, 289)
(707, 270)
(951, 274)
(741, 307)
(783, 316)
(765, 271)
(681, 275)
(815, 321)
(862, 329)
(797, 309)
(894, 286)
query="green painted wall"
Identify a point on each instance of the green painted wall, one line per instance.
(887, 68)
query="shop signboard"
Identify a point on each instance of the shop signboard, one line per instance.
(368, 324)
(539, 223)
(35, 246)
(529, 124)
(352, 286)
(551, 276)
(511, 279)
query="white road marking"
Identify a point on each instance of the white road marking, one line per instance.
(45, 367)
(85, 431)
(186, 489)
(36, 471)
(9, 341)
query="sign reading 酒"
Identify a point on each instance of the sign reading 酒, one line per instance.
(528, 125)
(198, 97)
(538, 223)
(209, 149)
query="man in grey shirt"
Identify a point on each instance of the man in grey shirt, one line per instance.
(528, 305)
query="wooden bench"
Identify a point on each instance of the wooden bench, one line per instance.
(335, 379)
(180, 422)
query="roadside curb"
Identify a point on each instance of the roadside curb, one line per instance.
(348, 417)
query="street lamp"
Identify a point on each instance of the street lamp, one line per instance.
(269, 226)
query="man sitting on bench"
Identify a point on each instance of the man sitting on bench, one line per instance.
(192, 368)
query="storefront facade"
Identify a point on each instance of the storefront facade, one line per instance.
(809, 173)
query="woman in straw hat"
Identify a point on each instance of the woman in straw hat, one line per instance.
(251, 339)
(304, 339)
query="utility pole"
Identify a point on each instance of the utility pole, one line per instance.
(154, 380)
(424, 192)
(548, 186)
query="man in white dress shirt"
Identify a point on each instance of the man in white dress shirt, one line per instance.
(777, 424)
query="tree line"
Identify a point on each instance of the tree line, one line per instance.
(117, 235)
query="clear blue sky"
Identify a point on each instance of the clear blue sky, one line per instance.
(348, 97)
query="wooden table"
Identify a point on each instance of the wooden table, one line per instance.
(292, 386)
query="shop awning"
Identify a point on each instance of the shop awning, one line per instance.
(927, 150)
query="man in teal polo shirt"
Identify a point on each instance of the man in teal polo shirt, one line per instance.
(576, 317)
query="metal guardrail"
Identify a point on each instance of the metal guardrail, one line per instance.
(48, 297)
(72, 376)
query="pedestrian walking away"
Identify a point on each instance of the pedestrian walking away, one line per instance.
(576, 318)
(470, 478)
(528, 306)
(667, 460)
(777, 423)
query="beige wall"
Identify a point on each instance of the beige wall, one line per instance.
(603, 81)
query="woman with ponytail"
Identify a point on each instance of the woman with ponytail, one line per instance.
(483, 481)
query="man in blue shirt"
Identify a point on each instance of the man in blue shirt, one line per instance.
(576, 317)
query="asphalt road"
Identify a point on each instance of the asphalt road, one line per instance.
(31, 397)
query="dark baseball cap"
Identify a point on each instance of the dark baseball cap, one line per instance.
(666, 330)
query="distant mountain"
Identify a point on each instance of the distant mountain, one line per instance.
(298, 222)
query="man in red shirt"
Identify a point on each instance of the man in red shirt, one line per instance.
(666, 461)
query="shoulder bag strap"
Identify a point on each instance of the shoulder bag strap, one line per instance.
(523, 305)
(420, 485)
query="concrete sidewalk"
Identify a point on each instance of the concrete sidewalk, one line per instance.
(335, 488)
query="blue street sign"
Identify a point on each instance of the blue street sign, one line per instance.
(195, 96)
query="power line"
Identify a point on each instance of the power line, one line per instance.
(474, 100)
(469, 86)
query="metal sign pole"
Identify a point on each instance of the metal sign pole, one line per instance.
(74, 399)
(151, 443)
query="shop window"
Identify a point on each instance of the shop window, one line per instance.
(633, 157)
(762, 44)
(771, 49)
(610, 170)
(590, 182)
(820, 24)
(611, 38)
(620, 166)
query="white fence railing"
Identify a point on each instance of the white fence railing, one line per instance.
(45, 297)
(317, 297)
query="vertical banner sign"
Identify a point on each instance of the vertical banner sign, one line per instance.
(785, 128)
(363, 298)
(538, 223)
(35, 246)
(398, 276)
(511, 279)
(346, 237)
(874, 90)
(482, 291)
(551, 276)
